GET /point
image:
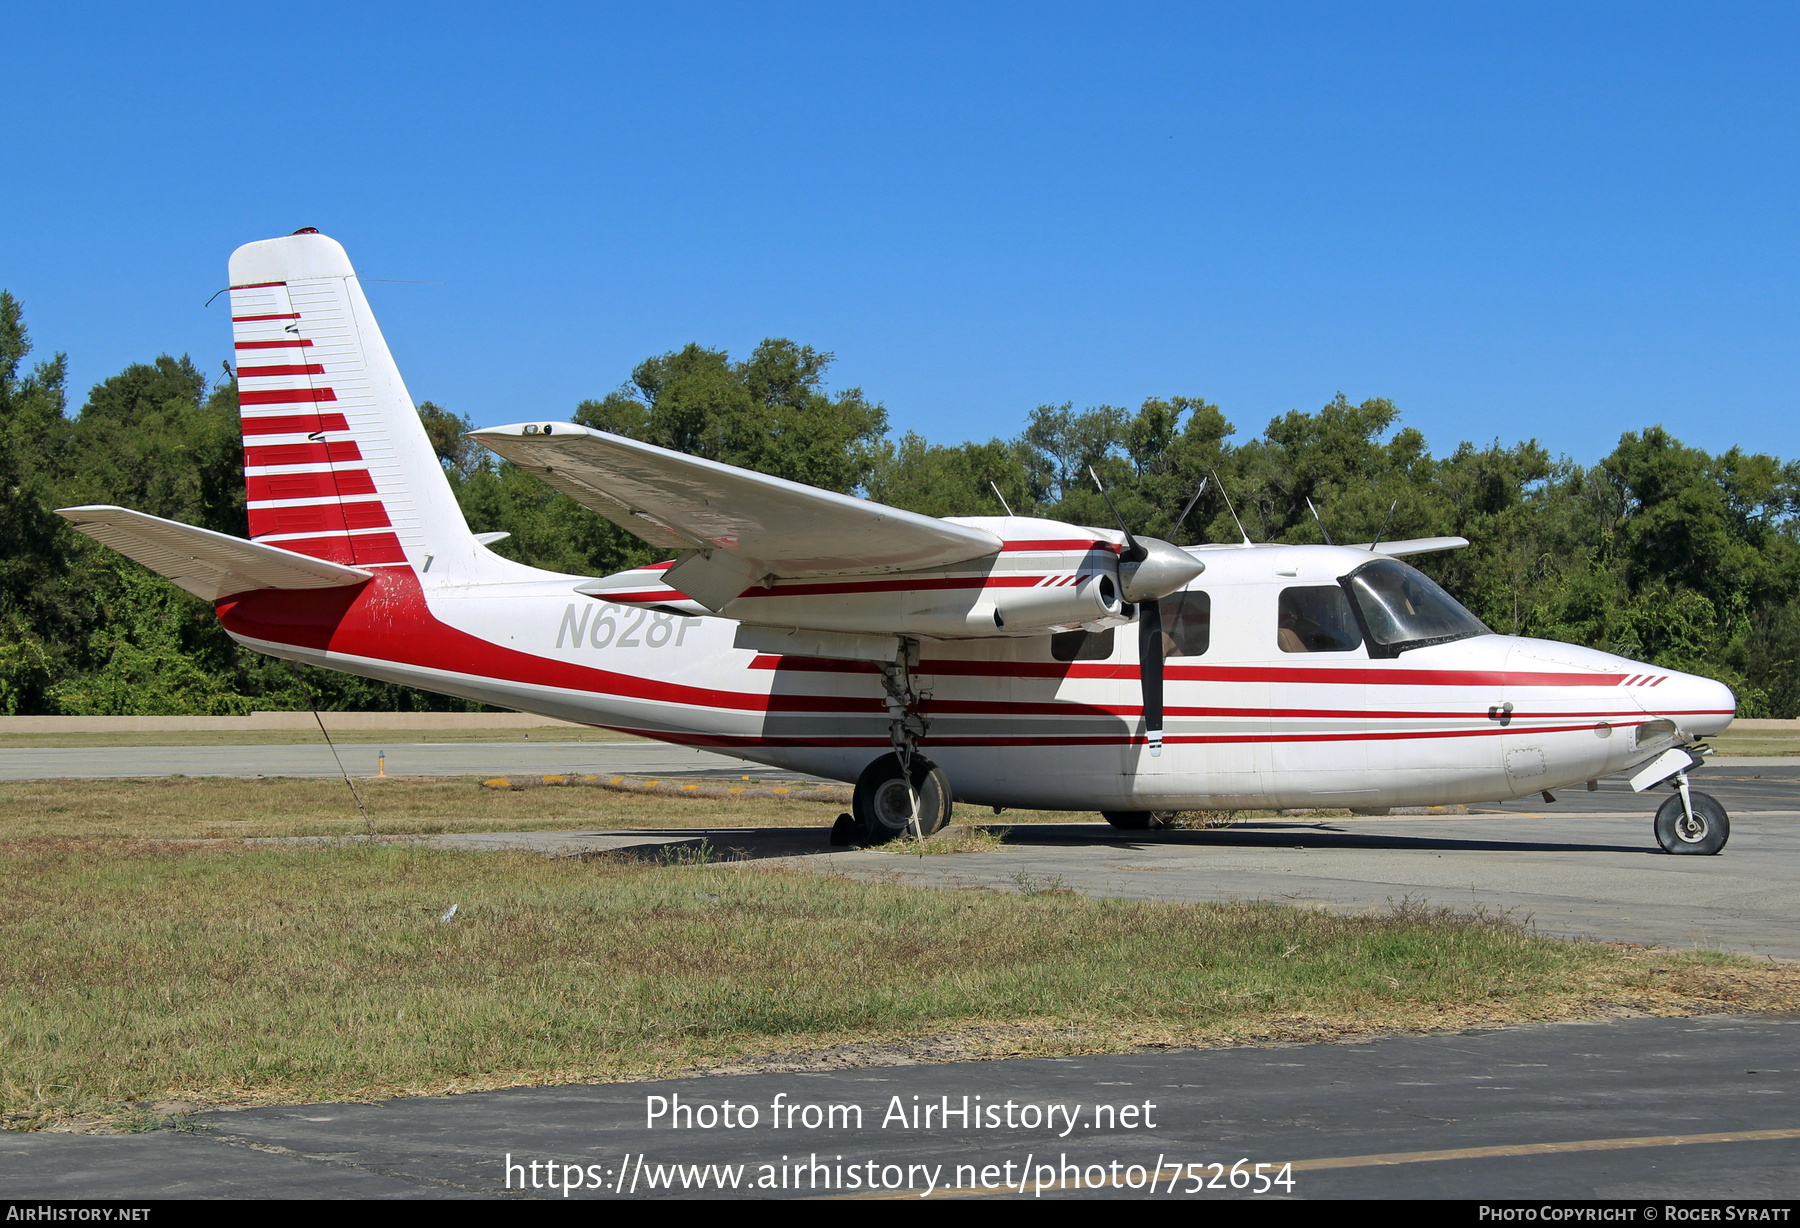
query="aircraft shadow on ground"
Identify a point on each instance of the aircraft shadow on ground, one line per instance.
(761, 843)
(1301, 837)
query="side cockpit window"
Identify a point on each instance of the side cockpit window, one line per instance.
(1404, 609)
(1186, 624)
(1316, 618)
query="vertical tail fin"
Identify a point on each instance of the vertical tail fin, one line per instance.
(337, 464)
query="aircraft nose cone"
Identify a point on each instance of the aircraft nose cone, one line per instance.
(1165, 568)
(1698, 706)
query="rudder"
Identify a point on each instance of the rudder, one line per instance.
(337, 464)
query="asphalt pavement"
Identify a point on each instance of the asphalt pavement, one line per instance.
(1587, 867)
(1629, 1109)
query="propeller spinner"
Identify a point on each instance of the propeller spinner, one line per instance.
(1149, 570)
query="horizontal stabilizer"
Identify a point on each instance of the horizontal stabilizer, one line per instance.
(1418, 545)
(207, 564)
(677, 501)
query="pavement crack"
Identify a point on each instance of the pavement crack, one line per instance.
(376, 1170)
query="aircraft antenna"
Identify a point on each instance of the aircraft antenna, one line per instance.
(1384, 526)
(1001, 497)
(1233, 511)
(1322, 529)
(1198, 491)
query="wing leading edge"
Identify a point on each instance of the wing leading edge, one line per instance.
(747, 526)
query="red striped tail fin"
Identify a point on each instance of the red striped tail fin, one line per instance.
(336, 462)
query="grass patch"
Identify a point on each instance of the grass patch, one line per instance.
(135, 974)
(957, 838)
(1756, 742)
(213, 808)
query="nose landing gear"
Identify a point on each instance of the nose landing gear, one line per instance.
(1691, 822)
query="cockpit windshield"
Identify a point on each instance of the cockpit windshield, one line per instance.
(1403, 608)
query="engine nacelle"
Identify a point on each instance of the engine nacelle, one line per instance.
(1037, 610)
(1049, 577)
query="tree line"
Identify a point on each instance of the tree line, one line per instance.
(1660, 551)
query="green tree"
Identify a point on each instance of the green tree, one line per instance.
(956, 480)
(769, 413)
(35, 623)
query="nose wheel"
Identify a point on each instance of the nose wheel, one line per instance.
(1692, 823)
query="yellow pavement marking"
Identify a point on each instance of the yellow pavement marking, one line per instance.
(1538, 1149)
(1399, 1157)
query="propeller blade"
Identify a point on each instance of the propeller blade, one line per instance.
(1150, 672)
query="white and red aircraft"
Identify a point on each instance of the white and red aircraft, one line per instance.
(919, 657)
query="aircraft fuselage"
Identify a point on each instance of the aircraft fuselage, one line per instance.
(1249, 724)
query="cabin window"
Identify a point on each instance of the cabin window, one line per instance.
(1404, 609)
(1316, 618)
(1082, 645)
(1186, 624)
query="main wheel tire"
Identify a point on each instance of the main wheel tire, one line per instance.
(1132, 820)
(1703, 837)
(882, 808)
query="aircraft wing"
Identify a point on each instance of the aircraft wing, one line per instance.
(207, 564)
(761, 525)
(1418, 545)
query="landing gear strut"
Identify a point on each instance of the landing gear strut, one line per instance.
(1691, 822)
(902, 792)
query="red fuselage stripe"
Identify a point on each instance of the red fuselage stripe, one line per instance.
(1287, 674)
(838, 588)
(1073, 544)
(890, 586)
(1121, 740)
(387, 619)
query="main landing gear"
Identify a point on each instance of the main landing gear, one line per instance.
(884, 806)
(1691, 822)
(902, 792)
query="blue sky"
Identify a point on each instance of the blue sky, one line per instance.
(1553, 221)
